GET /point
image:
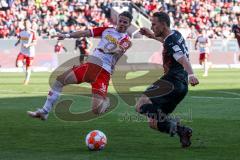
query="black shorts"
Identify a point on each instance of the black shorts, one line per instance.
(165, 94)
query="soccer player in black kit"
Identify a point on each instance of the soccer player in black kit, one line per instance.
(177, 74)
(236, 30)
(83, 45)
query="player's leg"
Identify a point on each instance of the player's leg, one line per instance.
(66, 78)
(81, 58)
(200, 59)
(141, 101)
(157, 118)
(100, 104)
(54, 63)
(19, 60)
(205, 65)
(100, 101)
(157, 109)
(29, 62)
(83, 73)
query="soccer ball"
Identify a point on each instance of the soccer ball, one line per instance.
(96, 140)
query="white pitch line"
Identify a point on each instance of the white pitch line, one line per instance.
(223, 98)
(231, 93)
(20, 92)
(196, 97)
(40, 92)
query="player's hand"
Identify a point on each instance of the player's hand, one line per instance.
(147, 32)
(59, 36)
(193, 80)
(25, 45)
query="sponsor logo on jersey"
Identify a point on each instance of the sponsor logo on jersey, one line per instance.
(24, 38)
(111, 39)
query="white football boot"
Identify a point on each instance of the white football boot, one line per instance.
(39, 113)
(105, 105)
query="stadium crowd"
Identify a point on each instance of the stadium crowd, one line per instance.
(190, 16)
(49, 17)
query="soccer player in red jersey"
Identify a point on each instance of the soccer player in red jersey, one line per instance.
(58, 48)
(113, 44)
(27, 38)
(203, 44)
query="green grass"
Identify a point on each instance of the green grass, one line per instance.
(212, 109)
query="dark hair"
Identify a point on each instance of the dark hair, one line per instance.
(126, 14)
(25, 21)
(162, 17)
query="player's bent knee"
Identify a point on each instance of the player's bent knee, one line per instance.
(143, 108)
(67, 79)
(61, 78)
(141, 102)
(138, 106)
(19, 64)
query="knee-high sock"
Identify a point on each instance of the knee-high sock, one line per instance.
(28, 74)
(53, 96)
(168, 125)
(205, 65)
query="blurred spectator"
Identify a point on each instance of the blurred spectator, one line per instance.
(215, 16)
(191, 16)
(52, 16)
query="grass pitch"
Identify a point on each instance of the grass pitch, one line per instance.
(212, 109)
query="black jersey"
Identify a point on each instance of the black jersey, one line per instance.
(174, 44)
(236, 31)
(82, 44)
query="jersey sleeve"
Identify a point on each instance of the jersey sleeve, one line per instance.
(34, 36)
(177, 50)
(97, 32)
(125, 42)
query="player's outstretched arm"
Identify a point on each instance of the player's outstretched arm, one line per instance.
(77, 34)
(148, 33)
(192, 79)
(65, 49)
(196, 44)
(18, 41)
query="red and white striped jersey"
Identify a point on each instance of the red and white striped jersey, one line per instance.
(111, 47)
(203, 44)
(27, 37)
